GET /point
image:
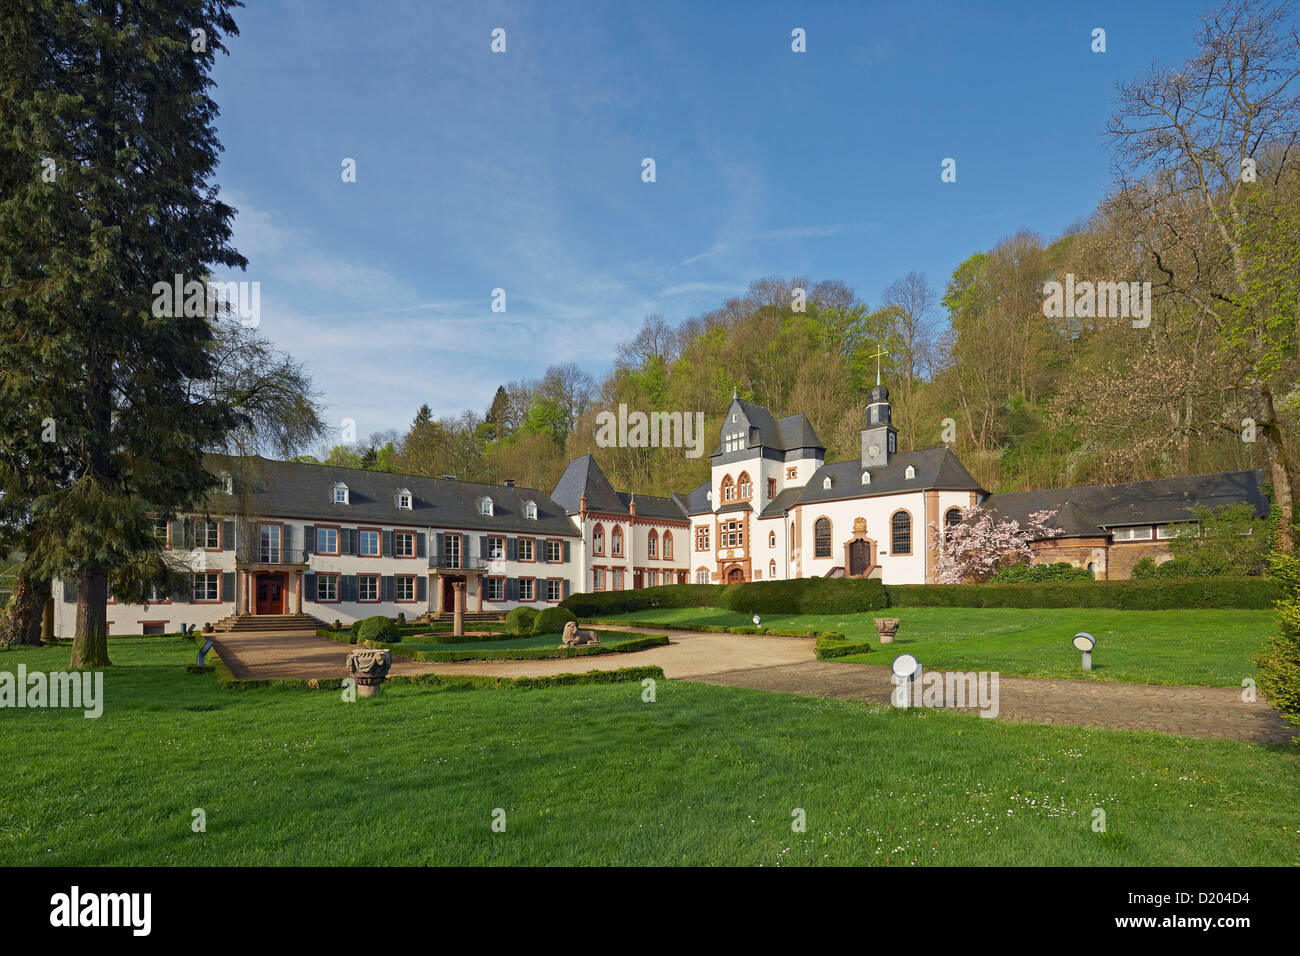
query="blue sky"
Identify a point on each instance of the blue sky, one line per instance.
(522, 170)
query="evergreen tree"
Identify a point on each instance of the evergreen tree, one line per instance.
(105, 164)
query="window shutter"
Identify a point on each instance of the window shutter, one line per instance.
(386, 543)
(227, 586)
(227, 536)
(420, 545)
(309, 545)
(441, 540)
(309, 587)
(347, 587)
(69, 591)
(565, 589)
(286, 544)
(350, 539)
(483, 547)
(422, 588)
(566, 552)
(180, 596)
(187, 533)
(173, 534)
(512, 587)
(387, 588)
(512, 549)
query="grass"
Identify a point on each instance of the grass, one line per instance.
(1209, 647)
(594, 775)
(505, 643)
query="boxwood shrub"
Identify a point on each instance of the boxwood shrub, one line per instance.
(551, 620)
(379, 629)
(520, 620)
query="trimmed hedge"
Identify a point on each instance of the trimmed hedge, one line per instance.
(828, 648)
(378, 629)
(800, 596)
(551, 620)
(1039, 573)
(520, 620)
(533, 653)
(1132, 595)
(717, 628)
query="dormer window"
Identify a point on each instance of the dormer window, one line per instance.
(826, 483)
(866, 477)
(910, 473)
(735, 441)
(404, 499)
(530, 510)
(227, 483)
(485, 507)
(340, 494)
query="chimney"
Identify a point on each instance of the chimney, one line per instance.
(631, 508)
(582, 508)
(508, 482)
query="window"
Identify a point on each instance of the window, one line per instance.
(451, 551)
(731, 534)
(496, 589)
(771, 568)
(910, 473)
(327, 540)
(728, 489)
(368, 544)
(1142, 533)
(367, 587)
(652, 579)
(496, 549)
(618, 579)
(327, 587)
(822, 538)
(617, 540)
(554, 590)
(207, 534)
(744, 488)
(652, 545)
(525, 549)
(735, 441)
(826, 483)
(701, 575)
(702, 538)
(952, 517)
(404, 544)
(866, 477)
(485, 507)
(227, 483)
(771, 539)
(668, 546)
(525, 589)
(555, 551)
(160, 530)
(1166, 531)
(207, 587)
(598, 540)
(598, 579)
(404, 500)
(771, 488)
(792, 472)
(269, 537)
(900, 538)
(404, 587)
(530, 511)
(340, 494)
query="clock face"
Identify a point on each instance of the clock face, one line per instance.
(873, 450)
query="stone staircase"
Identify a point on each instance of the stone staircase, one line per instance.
(244, 623)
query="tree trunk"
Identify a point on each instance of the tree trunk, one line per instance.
(90, 645)
(1278, 464)
(22, 619)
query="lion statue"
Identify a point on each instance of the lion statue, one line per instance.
(576, 638)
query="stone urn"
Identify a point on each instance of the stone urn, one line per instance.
(886, 628)
(369, 669)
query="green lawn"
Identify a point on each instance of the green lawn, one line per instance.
(592, 775)
(1154, 647)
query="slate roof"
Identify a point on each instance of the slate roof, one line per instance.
(786, 434)
(300, 490)
(584, 475)
(935, 468)
(1089, 510)
(783, 502)
(697, 502)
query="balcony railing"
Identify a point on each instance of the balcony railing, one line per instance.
(461, 563)
(263, 555)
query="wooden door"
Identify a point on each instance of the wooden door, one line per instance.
(270, 594)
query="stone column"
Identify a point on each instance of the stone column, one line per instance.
(248, 595)
(478, 587)
(458, 619)
(297, 592)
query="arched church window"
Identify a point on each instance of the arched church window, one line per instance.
(822, 538)
(901, 532)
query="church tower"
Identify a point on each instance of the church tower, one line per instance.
(879, 439)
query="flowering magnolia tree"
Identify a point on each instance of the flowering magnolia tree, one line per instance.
(974, 549)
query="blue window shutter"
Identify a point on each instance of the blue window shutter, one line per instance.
(420, 545)
(512, 549)
(441, 540)
(422, 588)
(512, 587)
(227, 536)
(309, 587)
(387, 588)
(565, 589)
(347, 587)
(309, 544)
(286, 543)
(566, 553)
(483, 547)
(386, 543)
(228, 586)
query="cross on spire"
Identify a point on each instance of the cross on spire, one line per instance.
(881, 351)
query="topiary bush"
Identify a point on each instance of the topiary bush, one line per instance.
(551, 620)
(520, 621)
(380, 629)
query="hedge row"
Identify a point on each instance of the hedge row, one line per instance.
(718, 628)
(829, 648)
(850, 596)
(532, 653)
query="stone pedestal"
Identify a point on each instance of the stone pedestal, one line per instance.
(369, 669)
(458, 613)
(886, 628)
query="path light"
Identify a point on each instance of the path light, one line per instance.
(907, 671)
(1083, 641)
(757, 620)
(203, 651)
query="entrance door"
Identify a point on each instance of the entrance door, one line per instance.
(735, 575)
(449, 594)
(637, 580)
(859, 557)
(270, 594)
